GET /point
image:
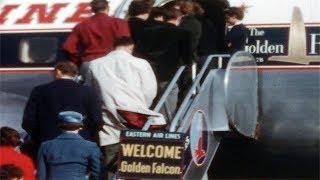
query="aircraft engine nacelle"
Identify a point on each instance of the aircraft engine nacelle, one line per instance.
(278, 105)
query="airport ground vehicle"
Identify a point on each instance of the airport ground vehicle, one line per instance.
(32, 33)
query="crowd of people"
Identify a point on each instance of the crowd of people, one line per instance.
(74, 129)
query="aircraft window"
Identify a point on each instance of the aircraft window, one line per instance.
(38, 50)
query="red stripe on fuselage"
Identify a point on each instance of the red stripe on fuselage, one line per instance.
(45, 70)
(288, 68)
(278, 68)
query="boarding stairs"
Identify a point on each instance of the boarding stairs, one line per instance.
(179, 121)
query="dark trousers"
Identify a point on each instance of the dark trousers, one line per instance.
(110, 157)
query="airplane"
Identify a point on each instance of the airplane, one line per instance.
(32, 33)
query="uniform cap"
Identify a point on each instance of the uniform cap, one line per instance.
(70, 117)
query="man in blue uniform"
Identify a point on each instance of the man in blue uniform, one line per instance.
(69, 156)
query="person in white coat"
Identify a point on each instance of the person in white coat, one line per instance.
(126, 84)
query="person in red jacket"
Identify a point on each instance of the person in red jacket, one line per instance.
(93, 38)
(10, 140)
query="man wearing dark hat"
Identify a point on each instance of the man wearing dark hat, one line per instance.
(69, 156)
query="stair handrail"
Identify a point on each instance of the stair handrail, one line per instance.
(165, 95)
(191, 91)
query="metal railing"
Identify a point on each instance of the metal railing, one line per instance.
(164, 97)
(182, 109)
(192, 90)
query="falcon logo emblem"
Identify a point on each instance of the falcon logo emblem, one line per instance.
(198, 138)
